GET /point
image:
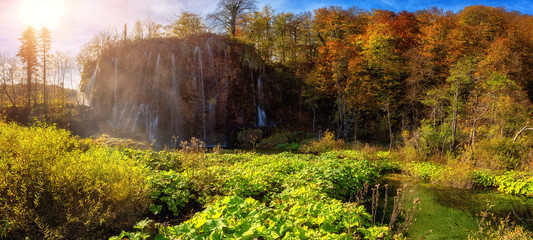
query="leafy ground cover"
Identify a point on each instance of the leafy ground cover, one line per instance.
(247, 195)
(511, 182)
(56, 186)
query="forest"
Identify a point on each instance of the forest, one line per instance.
(251, 123)
(442, 78)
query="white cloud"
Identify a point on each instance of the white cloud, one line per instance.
(86, 17)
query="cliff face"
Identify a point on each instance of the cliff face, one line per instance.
(203, 87)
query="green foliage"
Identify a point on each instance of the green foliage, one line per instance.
(228, 217)
(376, 232)
(424, 170)
(520, 183)
(433, 139)
(171, 189)
(326, 143)
(249, 195)
(249, 137)
(456, 174)
(484, 178)
(54, 184)
(289, 146)
(161, 160)
(463, 175)
(295, 214)
(338, 177)
(502, 153)
(285, 140)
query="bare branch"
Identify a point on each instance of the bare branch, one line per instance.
(525, 128)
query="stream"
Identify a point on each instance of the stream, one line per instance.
(448, 213)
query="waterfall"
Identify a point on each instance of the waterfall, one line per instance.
(116, 79)
(198, 52)
(90, 86)
(156, 75)
(175, 96)
(139, 112)
(203, 88)
(152, 115)
(115, 120)
(261, 115)
(152, 123)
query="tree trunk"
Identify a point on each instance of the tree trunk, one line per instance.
(232, 23)
(44, 81)
(389, 123)
(476, 118)
(13, 91)
(473, 137)
(8, 97)
(28, 82)
(454, 120)
(314, 118)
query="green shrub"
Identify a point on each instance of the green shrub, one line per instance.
(457, 174)
(249, 138)
(484, 178)
(54, 186)
(285, 140)
(170, 190)
(432, 140)
(424, 170)
(326, 143)
(274, 140)
(161, 160)
(289, 146)
(515, 183)
(502, 153)
(339, 177)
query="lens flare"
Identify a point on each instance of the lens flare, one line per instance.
(42, 13)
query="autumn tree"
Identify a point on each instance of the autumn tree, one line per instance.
(153, 29)
(185, 24)
(307, 42)
(286, 36)
(335, 28)
(381, 54)
(28, 53)
(138, 30)
(228, 12)
(261, 31)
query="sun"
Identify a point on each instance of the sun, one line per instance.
(42, 13)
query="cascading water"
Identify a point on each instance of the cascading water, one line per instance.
(114, 122)
(198, 54)
(175, 94)
(261, 115)
(258, 99)
(90, 86)
(190, 88)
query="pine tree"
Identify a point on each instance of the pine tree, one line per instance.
(44, 46)
(28, 54)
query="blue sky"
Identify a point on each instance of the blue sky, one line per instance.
(86, 17)
(525, 6)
